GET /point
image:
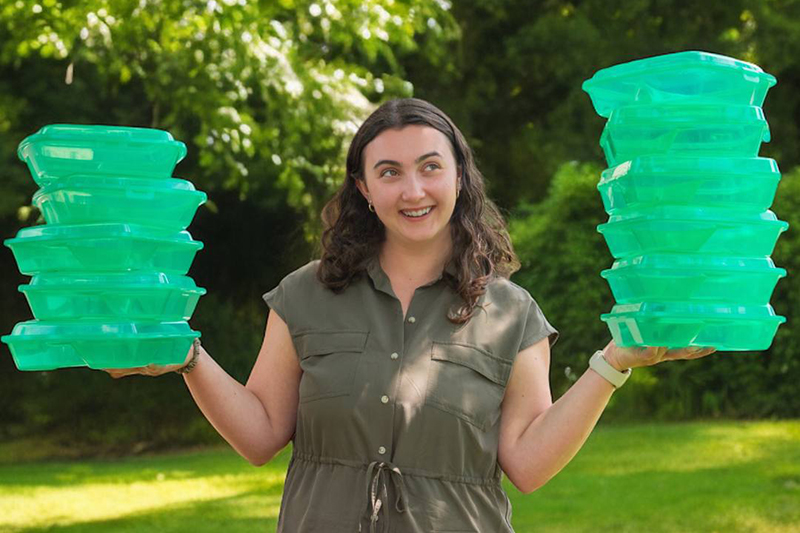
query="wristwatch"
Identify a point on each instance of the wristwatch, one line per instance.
(599, 364)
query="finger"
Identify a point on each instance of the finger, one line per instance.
(117, 373)
(694, 352)
(704, 352)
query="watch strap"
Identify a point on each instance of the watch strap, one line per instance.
(599, 364)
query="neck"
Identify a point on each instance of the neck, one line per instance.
(415, 264)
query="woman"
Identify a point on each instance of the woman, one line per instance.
(406, 368)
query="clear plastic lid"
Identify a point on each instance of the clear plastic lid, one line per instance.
(118, 280)
(68, 330)
(88, 182)
(695, 213)
(100, 133)
(683, 76)
(698, 310)
(77, 232)
(689, 113)
(697, 262)
(680, 60)
(91, 134)
(686, 166)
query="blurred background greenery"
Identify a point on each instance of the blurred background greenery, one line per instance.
(267, 95)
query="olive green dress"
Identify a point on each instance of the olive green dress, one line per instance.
(398, 417)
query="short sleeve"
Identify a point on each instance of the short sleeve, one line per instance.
(536, 327)
(276, 299)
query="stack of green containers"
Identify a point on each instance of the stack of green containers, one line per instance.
(688, 198)
(109, 286)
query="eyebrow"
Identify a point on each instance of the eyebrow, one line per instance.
(420, 158)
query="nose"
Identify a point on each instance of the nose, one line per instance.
(413, 189)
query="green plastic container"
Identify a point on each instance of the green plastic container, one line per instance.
(693, 278)
(137, 296)
(739, 184)
(683, 130)
(683, 76)
(62, 150)
(84, 248)
(40, 345)
(692, 230)
(168, 203)
(678, 325)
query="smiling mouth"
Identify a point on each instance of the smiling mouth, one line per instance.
(418, 213)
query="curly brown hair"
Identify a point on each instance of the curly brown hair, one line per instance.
(352, 235)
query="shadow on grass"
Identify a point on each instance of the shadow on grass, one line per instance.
(183, 466)
(246, 511)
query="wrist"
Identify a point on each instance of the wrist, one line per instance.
(600, 365)
(189, 366)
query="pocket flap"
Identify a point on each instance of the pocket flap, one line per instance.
(327, 342)
(491, 367)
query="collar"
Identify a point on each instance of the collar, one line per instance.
(381, 280)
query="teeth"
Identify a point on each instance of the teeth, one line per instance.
(417, 213)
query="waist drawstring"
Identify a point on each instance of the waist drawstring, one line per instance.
(375, 476)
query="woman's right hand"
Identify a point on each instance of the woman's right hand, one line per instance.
(149, 370)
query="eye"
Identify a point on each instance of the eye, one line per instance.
(382, 174)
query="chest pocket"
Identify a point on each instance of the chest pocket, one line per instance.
(329, 360)
(467, 382)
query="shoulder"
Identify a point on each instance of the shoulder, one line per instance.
(304, 275)
(309, 270)
(503, 290)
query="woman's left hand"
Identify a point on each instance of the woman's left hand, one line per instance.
(622, 358)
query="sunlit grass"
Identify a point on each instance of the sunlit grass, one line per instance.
(202, 491)
(702, 476)
(714, 476)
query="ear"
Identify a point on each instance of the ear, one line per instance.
(362, 186)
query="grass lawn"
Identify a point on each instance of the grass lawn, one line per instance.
(702, 476)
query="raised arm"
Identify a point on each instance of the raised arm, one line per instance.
(257, 419)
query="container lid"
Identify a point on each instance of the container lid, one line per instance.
(78, 181)
(697, 310)
(135, 280)
(696, 262)
(660, 113)
(93, 134)
(694, 213)
(37, 330)
(77, 232)
(89, 183)
(678, 60)
(682, 75)
(687, 166)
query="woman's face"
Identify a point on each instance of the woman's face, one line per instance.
(410, 169)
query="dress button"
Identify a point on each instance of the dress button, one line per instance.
(395, 356)
(412, 319)
(385, 399)
(381, 450)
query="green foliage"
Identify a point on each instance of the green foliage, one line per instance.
(265, 94)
